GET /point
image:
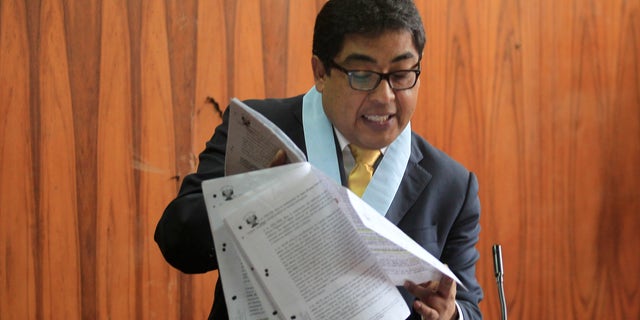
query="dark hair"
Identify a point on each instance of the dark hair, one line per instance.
(338, 18)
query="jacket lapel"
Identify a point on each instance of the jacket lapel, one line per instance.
(415, 180)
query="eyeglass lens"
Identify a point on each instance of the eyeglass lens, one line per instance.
(369, 80)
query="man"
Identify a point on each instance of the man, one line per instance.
(366, 66)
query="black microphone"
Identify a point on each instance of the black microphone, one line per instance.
(499, 271)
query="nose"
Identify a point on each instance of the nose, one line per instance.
(383, 93)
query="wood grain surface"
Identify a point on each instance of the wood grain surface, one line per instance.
(104, 106)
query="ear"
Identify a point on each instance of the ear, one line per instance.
(319, 73)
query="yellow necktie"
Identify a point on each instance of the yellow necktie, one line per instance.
(363, 171)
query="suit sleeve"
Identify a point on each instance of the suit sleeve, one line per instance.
(183, 233)
(460, 252)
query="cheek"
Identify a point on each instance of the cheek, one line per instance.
(343, 105)
(408, 104)
(332, 106)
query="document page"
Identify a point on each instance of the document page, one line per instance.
(304, 250)
(244, 299)
(290, 242)
(253, 141)
(399, 255)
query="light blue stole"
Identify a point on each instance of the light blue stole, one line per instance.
(321, 152)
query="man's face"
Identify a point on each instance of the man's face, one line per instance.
(370, 119)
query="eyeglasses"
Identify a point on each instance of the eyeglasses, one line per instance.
(366, 80)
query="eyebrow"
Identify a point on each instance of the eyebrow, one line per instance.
(365, 58)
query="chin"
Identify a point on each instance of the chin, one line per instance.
(380, 143)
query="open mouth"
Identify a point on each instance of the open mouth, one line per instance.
(377, 118)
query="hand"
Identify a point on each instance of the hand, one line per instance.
(279, 159)
(435, 299)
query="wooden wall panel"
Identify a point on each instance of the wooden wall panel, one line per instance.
(58, 249)
(17, 189)
(527, 95)
(115, 229)
(157, 159)
(104, 106)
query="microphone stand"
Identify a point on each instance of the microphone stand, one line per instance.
(499, 272)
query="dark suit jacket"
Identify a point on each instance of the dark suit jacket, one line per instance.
(436, 204)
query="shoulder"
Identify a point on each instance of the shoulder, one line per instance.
(285, 113)
(433, 159)
(269, 106)
(446, 174)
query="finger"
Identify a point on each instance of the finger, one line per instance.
(444, 287)
(419, 291)
(279, 159)
(426, 312)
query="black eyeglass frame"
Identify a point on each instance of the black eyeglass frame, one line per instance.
(381, 76)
